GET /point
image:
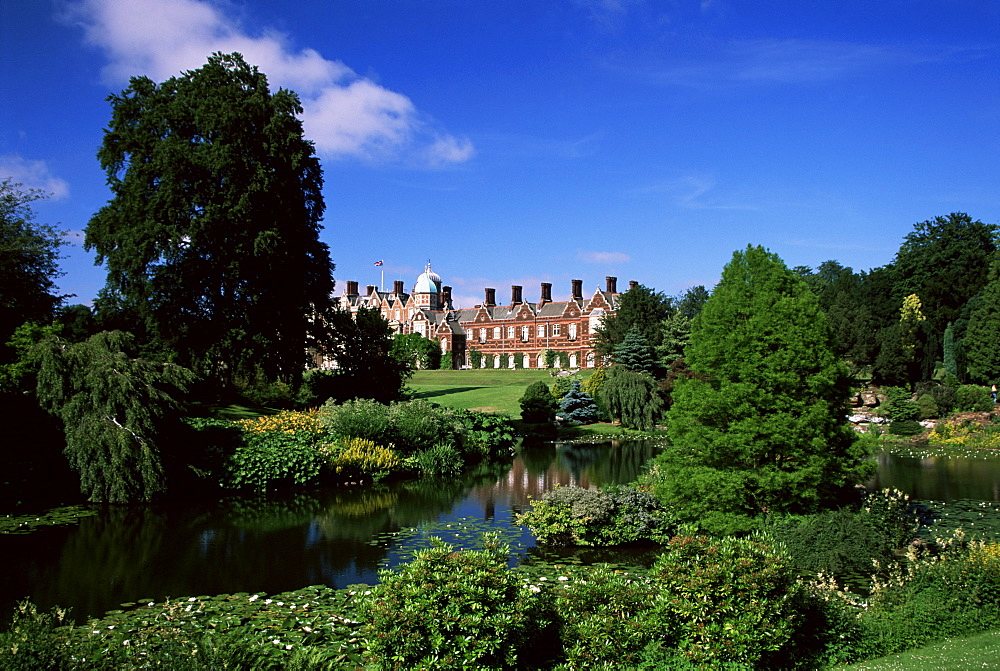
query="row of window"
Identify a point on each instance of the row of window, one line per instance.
(483, 334)
(495, 361)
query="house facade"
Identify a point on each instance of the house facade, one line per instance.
(489, 335)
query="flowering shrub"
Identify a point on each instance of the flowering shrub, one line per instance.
(448, 610)
(276, 448)
(965, 434)
(733, 599)
(284, 422)
(360, 459)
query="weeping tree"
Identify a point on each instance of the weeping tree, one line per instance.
(632, 397)
(761, 426)
(114, 409)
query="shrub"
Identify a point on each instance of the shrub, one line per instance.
(928, 406)
(360, 418)
(30, 641)
(561, 386)
(360, 459)
(838, 541)
(906, 427)
(973, 398)
(485, 433)
(267, 458)
(577, 407)
(607, 619)
(537, 404)
(440, 460)
(417, 425)
(899, 404)
(448, 610)
(706, 586)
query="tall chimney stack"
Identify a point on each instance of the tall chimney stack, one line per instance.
(515, 295)
(612, 283)
(352, 288)
(397, 287)
(578, 290)
(446, 297)
(546, 293)
(370, 289)
(632, 284)
(491, 298)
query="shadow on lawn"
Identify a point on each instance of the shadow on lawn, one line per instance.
(444, 392)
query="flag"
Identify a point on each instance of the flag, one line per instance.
(378, 263)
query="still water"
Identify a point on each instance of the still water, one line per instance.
(340, 537)
(336, 537)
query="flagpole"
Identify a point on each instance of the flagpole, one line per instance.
(381, 283)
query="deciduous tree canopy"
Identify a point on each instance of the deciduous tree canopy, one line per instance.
(211, 236)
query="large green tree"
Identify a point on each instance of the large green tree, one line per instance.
(211, 236)
(115, 408)
(761, 425)
(29, 263)
(982, 337)
(639, 307)
(944, 260)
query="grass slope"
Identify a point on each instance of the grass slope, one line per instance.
(975, 652)
(488, 389)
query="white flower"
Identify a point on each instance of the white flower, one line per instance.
(251, 600)
(562, 577)
(191, 599)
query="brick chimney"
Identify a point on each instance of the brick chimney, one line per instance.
(352, 288)
(446, 297)
(370, 289)
(491, 298)
(632, 284)
(578, 290)
(515, 295)
(612, 283)
(546, 293)
(397, 287)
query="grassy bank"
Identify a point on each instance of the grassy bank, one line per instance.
(488, 389)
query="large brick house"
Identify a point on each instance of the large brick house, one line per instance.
(511, 335)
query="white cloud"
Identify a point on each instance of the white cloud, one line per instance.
(602, 257)
(344, 114)
(33, 175)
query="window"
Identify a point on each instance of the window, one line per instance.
(481, 335)
(496, 334)
(510, 332)
(525, 331)
(541, 330)
(572, 331)
(555, 329)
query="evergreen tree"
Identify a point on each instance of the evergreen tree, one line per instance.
(632, 398)
(676, 331)
(634, 353)
(114, 408)
(761, 427)
(982, 337)
(537, 404)
(211, 238)
(639, 307)
(577, 406)
(692, 301)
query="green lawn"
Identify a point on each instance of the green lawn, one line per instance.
(975, 652)
(489, 389)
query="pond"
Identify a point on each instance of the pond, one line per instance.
(336, 537)
(343, 536)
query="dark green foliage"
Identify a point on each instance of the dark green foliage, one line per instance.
(972, 398)
(676, 335)
(899, 404)
(449, 610)
(577, 407)
(475, 358)
(416, 350)
(906, 427)
(31, 643)
(634, 353)
(928, 407)
(537, 404)
(838, 542)
(943, 260)
(115, 409)
(29, 263)
(561, 386)
(982, 337)
(764, 428)
(362, 348)
(690, 303)
(640, 307)
(632, 398)
(211, 238)
(949, 352)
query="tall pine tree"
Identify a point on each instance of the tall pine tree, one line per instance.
(761, 427)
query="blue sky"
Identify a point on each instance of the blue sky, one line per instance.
(515, 142)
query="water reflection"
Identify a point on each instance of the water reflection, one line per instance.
(279, 542)
(940, 478)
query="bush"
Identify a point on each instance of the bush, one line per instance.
(928, 406)
(607, 620)
(31, 643)
(537, 404)
(360, 418)
(276, 449)
(899, 404)
(838, 541)
(440, 460)
(577, 407)
(906, 427)
(706, 587)
(614, 516)
(417, 425)
(449, 610)
(360, 459)
(973, 398)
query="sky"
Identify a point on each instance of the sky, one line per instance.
(513, 143)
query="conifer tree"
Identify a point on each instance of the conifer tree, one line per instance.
(634, 353)
(577, 406)
(114, 408)
(537, 404)
(982, 337)
(761, 427)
